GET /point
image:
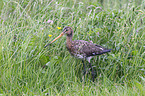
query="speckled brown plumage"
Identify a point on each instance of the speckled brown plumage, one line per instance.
(81, 49)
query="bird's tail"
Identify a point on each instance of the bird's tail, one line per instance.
(107, 50)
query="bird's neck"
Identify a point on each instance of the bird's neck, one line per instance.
(69, 41)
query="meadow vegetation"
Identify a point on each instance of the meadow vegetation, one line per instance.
(27, 68)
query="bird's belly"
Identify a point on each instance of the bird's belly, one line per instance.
(77, 55)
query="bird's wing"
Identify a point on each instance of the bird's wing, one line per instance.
(89, 49)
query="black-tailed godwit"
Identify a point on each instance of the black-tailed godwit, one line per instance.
(81, 49)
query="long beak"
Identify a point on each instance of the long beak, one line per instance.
(55, 39)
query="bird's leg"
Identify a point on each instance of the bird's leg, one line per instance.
(92, 71)
(84, 67)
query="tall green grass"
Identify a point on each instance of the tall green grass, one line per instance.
(117, 24)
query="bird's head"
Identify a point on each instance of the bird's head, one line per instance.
(67, 30)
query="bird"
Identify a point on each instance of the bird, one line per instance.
(81, 49)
